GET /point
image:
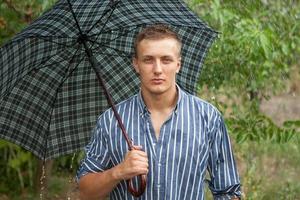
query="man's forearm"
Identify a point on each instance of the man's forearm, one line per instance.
(98, 185)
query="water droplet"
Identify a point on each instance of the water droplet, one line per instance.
(43, 176)
(71, 178)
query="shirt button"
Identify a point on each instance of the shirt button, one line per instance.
(158, 185)
(159, 164)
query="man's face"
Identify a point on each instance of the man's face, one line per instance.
(157, 63)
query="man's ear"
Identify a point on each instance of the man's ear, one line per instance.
(178, 65)
(135, 64)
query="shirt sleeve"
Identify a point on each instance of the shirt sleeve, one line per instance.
(224, 183)
(97, 157)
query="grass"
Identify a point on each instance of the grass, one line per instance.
(268, 170)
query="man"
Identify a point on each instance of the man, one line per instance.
(177, 136)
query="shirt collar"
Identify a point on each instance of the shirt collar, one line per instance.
(144, 108)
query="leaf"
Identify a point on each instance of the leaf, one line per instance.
(265, 44)
(241, 137)
(2, 23)
(3, 144)
(285, 49)
(289, 124)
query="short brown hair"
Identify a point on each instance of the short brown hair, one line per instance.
(156, 32)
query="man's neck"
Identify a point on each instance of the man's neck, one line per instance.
(161, 102)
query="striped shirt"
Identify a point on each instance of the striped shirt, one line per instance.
(192, 140)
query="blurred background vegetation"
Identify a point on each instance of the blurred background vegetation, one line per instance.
(252, 74)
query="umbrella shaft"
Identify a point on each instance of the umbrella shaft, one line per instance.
(107, 95)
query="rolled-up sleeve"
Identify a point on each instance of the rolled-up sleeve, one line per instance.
(225, 182)
(97, 157)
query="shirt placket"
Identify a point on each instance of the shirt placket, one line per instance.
(157, 146)
(159, 166)
(155, 149)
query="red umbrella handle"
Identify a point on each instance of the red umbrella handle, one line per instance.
(141, 189)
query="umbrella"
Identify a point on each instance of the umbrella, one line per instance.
(49, 92)
(50, 72)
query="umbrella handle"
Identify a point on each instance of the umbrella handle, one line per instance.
(140, 191)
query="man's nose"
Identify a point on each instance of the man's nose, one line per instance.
(157, 67)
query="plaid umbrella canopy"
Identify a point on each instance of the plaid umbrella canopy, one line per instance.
(49, 93)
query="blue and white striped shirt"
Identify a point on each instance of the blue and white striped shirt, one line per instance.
(191, 141)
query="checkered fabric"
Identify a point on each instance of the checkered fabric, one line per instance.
(49, 95)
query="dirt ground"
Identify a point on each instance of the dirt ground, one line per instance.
(285, 106)
(282, 107)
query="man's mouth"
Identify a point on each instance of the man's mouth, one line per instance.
(157, 80)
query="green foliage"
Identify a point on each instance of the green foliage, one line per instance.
(259, 40)
(16, 14)
(258, 44)
(69, 163)
(16, 168)
(258, 127)
(269, 169)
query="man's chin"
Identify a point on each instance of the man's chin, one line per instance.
(158, 90)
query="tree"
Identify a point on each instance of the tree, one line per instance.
(258, 44)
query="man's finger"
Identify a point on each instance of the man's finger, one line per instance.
(137, 147)
(139, 153)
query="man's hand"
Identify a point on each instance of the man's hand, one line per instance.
(99, 185)
(135, 163)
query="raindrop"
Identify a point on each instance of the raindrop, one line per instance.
(71, 179)
(43, 176)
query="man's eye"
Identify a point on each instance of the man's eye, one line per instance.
(147, 60)
(167, 60)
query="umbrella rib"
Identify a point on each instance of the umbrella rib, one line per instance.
(3, 95)
(110, 14)
(105, 45)
(74, 16)
(71, 71)
(105, 12)
(111, 32)
(46, 142)
(46, 39)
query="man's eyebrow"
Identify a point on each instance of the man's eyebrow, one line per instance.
(151, 56)
(145, 56)
(167, 56)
